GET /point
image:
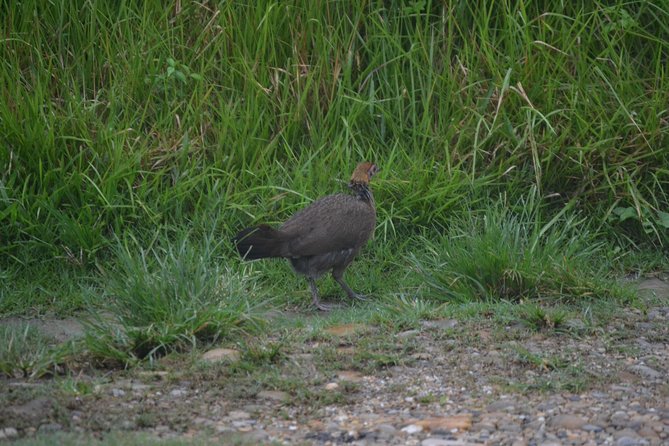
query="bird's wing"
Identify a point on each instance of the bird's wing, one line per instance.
(333, 223)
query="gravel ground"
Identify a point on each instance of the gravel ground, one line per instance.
(458, 383)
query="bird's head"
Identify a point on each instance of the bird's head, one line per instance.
(362, 174)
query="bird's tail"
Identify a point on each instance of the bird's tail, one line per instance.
(259, 242)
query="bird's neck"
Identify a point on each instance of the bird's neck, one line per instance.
(363, 192)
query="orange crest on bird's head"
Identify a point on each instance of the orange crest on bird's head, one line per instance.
(364, 172)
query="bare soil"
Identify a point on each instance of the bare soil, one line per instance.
(589, 381)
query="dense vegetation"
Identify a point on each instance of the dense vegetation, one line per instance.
(126, 121)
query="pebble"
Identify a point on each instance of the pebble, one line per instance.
(446, 424)
(117, 393)
(412, 429)
(238, 415)
(408, 334)
(140, 387)
(385, 431)
(630, 441)
(568, 422)
(503, 404)
(441, 324)
(8, 433)
(645, 371)
(49, 428)
(619, 419)
(221, 355)
(349, 375)
(257, 436)
(178, 393)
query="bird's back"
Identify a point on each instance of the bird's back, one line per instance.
(332, 223)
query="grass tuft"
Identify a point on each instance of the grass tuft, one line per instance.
(167, 296)
(26, 353)
(502, 254)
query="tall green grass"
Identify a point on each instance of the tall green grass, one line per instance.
(123, 117)
(117, 114)
(507, 253)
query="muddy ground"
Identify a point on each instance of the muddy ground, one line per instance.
(590, 380)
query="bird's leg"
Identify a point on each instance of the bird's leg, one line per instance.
(338, 276)
(314, 295)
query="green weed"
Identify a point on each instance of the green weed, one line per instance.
(24, 352)
(165, 296)
(502, 254)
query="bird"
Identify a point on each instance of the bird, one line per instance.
(324, 236)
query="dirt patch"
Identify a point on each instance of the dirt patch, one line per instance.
(55, 329)
(594, 381)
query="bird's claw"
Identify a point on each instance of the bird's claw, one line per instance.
(324, 307)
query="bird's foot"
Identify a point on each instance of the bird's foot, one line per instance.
(360, 297)
(325, 307)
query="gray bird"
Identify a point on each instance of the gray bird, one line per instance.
(324, 236)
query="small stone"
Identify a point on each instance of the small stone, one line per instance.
(440, 324)
(510, 427)
(626, 433)
(331, 386)
(412, 429)
(648, 432)
(275, 395)
(349, 375)
(178, 393)
(140, 387)
(238, 415)
(117, 393)
(385, 431)
(571, 422)
(447, 424)
(537, 425)
(630, 441)
(243, 425)
(408, 334)
(503, 404)
(332, 427)
(221, 355)
(223, 428)
(619, 419)
(488, 426)
(50, 428)
(161, 429)
(257, 436)
(592, 428)
(645, 371)
(10, 432)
